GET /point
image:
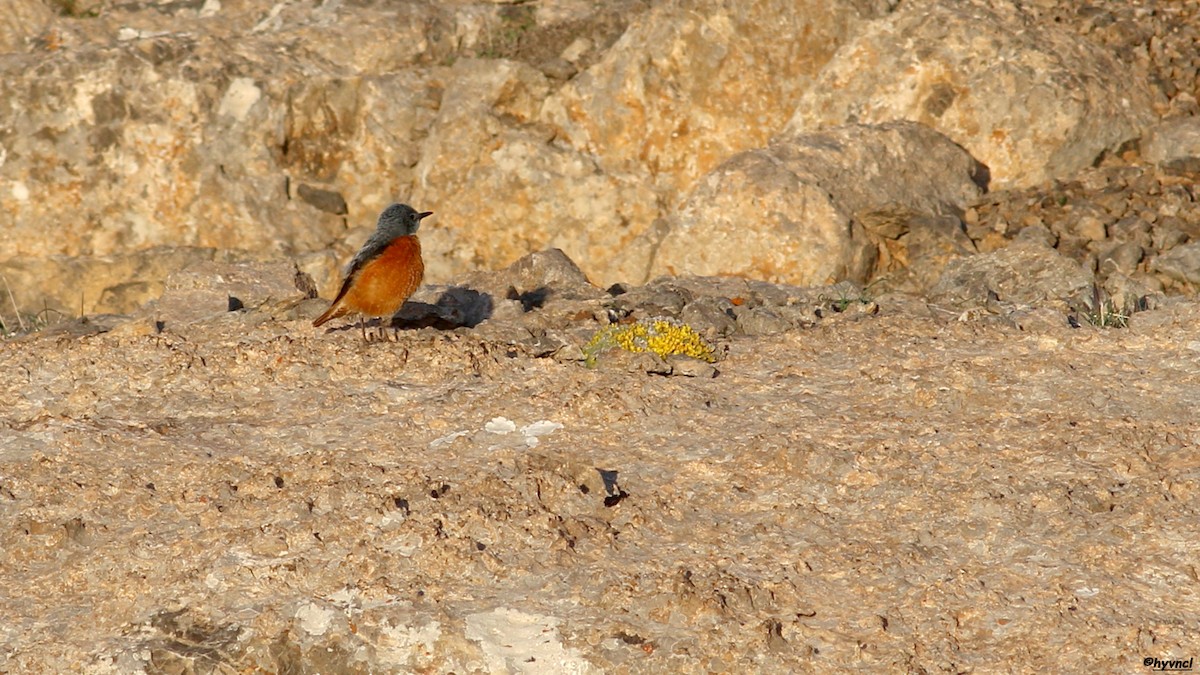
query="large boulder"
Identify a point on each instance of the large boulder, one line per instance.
(173, 141)
(501, 188)
(1030, 100)
(695, 81)
(794, 211)
(1027, 273)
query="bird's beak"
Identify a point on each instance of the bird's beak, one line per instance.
(424, 215)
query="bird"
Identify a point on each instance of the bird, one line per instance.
(385, 271)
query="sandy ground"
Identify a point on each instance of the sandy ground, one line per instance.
(887, 492)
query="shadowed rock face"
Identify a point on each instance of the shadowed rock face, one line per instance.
(220, 486)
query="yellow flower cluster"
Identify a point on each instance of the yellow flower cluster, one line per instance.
(660, 335)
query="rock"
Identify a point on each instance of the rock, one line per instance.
(501, 189)
(1181, 264)
(1088, 225)
(325, 200)
(1039, 320)
(755, 321)
(21, 21)
(549, 270)
(203, 290)
(720, 307)
(712, 317)
(619, 360)
(1165, 237)
(920, 251)
(1110, 216)
(692, 82)
(1133, 230)
(1123, 258)
(1038, 235)
(131, 132)
(754, 217)
(280, 130)
(117, 284)
(688, 367)
(1174, 144)
(1022, 274)
(188, 142)
(535, 280)
(661, 297)
(1028, 99)
(788, 212)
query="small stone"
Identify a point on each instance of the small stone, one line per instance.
(1037, 234)
(569, 353)
(689, 367)
(1173, 142)
(1039, 320)
(710, 316)
(1091, 228)
(1181, 264)
(1131, 294)
(1025, 273)
(1166, 238)
(576, 50)
(558, 69)
(500, 425)
(761, 321)
(1122, 257)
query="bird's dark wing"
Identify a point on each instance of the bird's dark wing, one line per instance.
(376, 244)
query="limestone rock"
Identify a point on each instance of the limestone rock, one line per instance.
(546, 272)
(914, 259)
(20, 22)
(694, 81)
(1174, 144)
(793, 211)
(501, 189)
(1181, 264)
(1030, 100)
(117, 284)
(223, 128)
(174, 151)
(1025, 273)
(203, 290)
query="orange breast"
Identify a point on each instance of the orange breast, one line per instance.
(384, 283)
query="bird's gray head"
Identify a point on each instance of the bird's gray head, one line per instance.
(399, 220)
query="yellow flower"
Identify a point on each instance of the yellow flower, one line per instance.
(661, 335)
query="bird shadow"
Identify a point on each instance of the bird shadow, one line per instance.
(456, 307)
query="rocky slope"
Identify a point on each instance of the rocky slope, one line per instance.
(942, 418)
(258, 131)
(852, 484)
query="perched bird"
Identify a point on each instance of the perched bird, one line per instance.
(385, 271)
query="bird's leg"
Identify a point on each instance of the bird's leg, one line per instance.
(363, 327)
